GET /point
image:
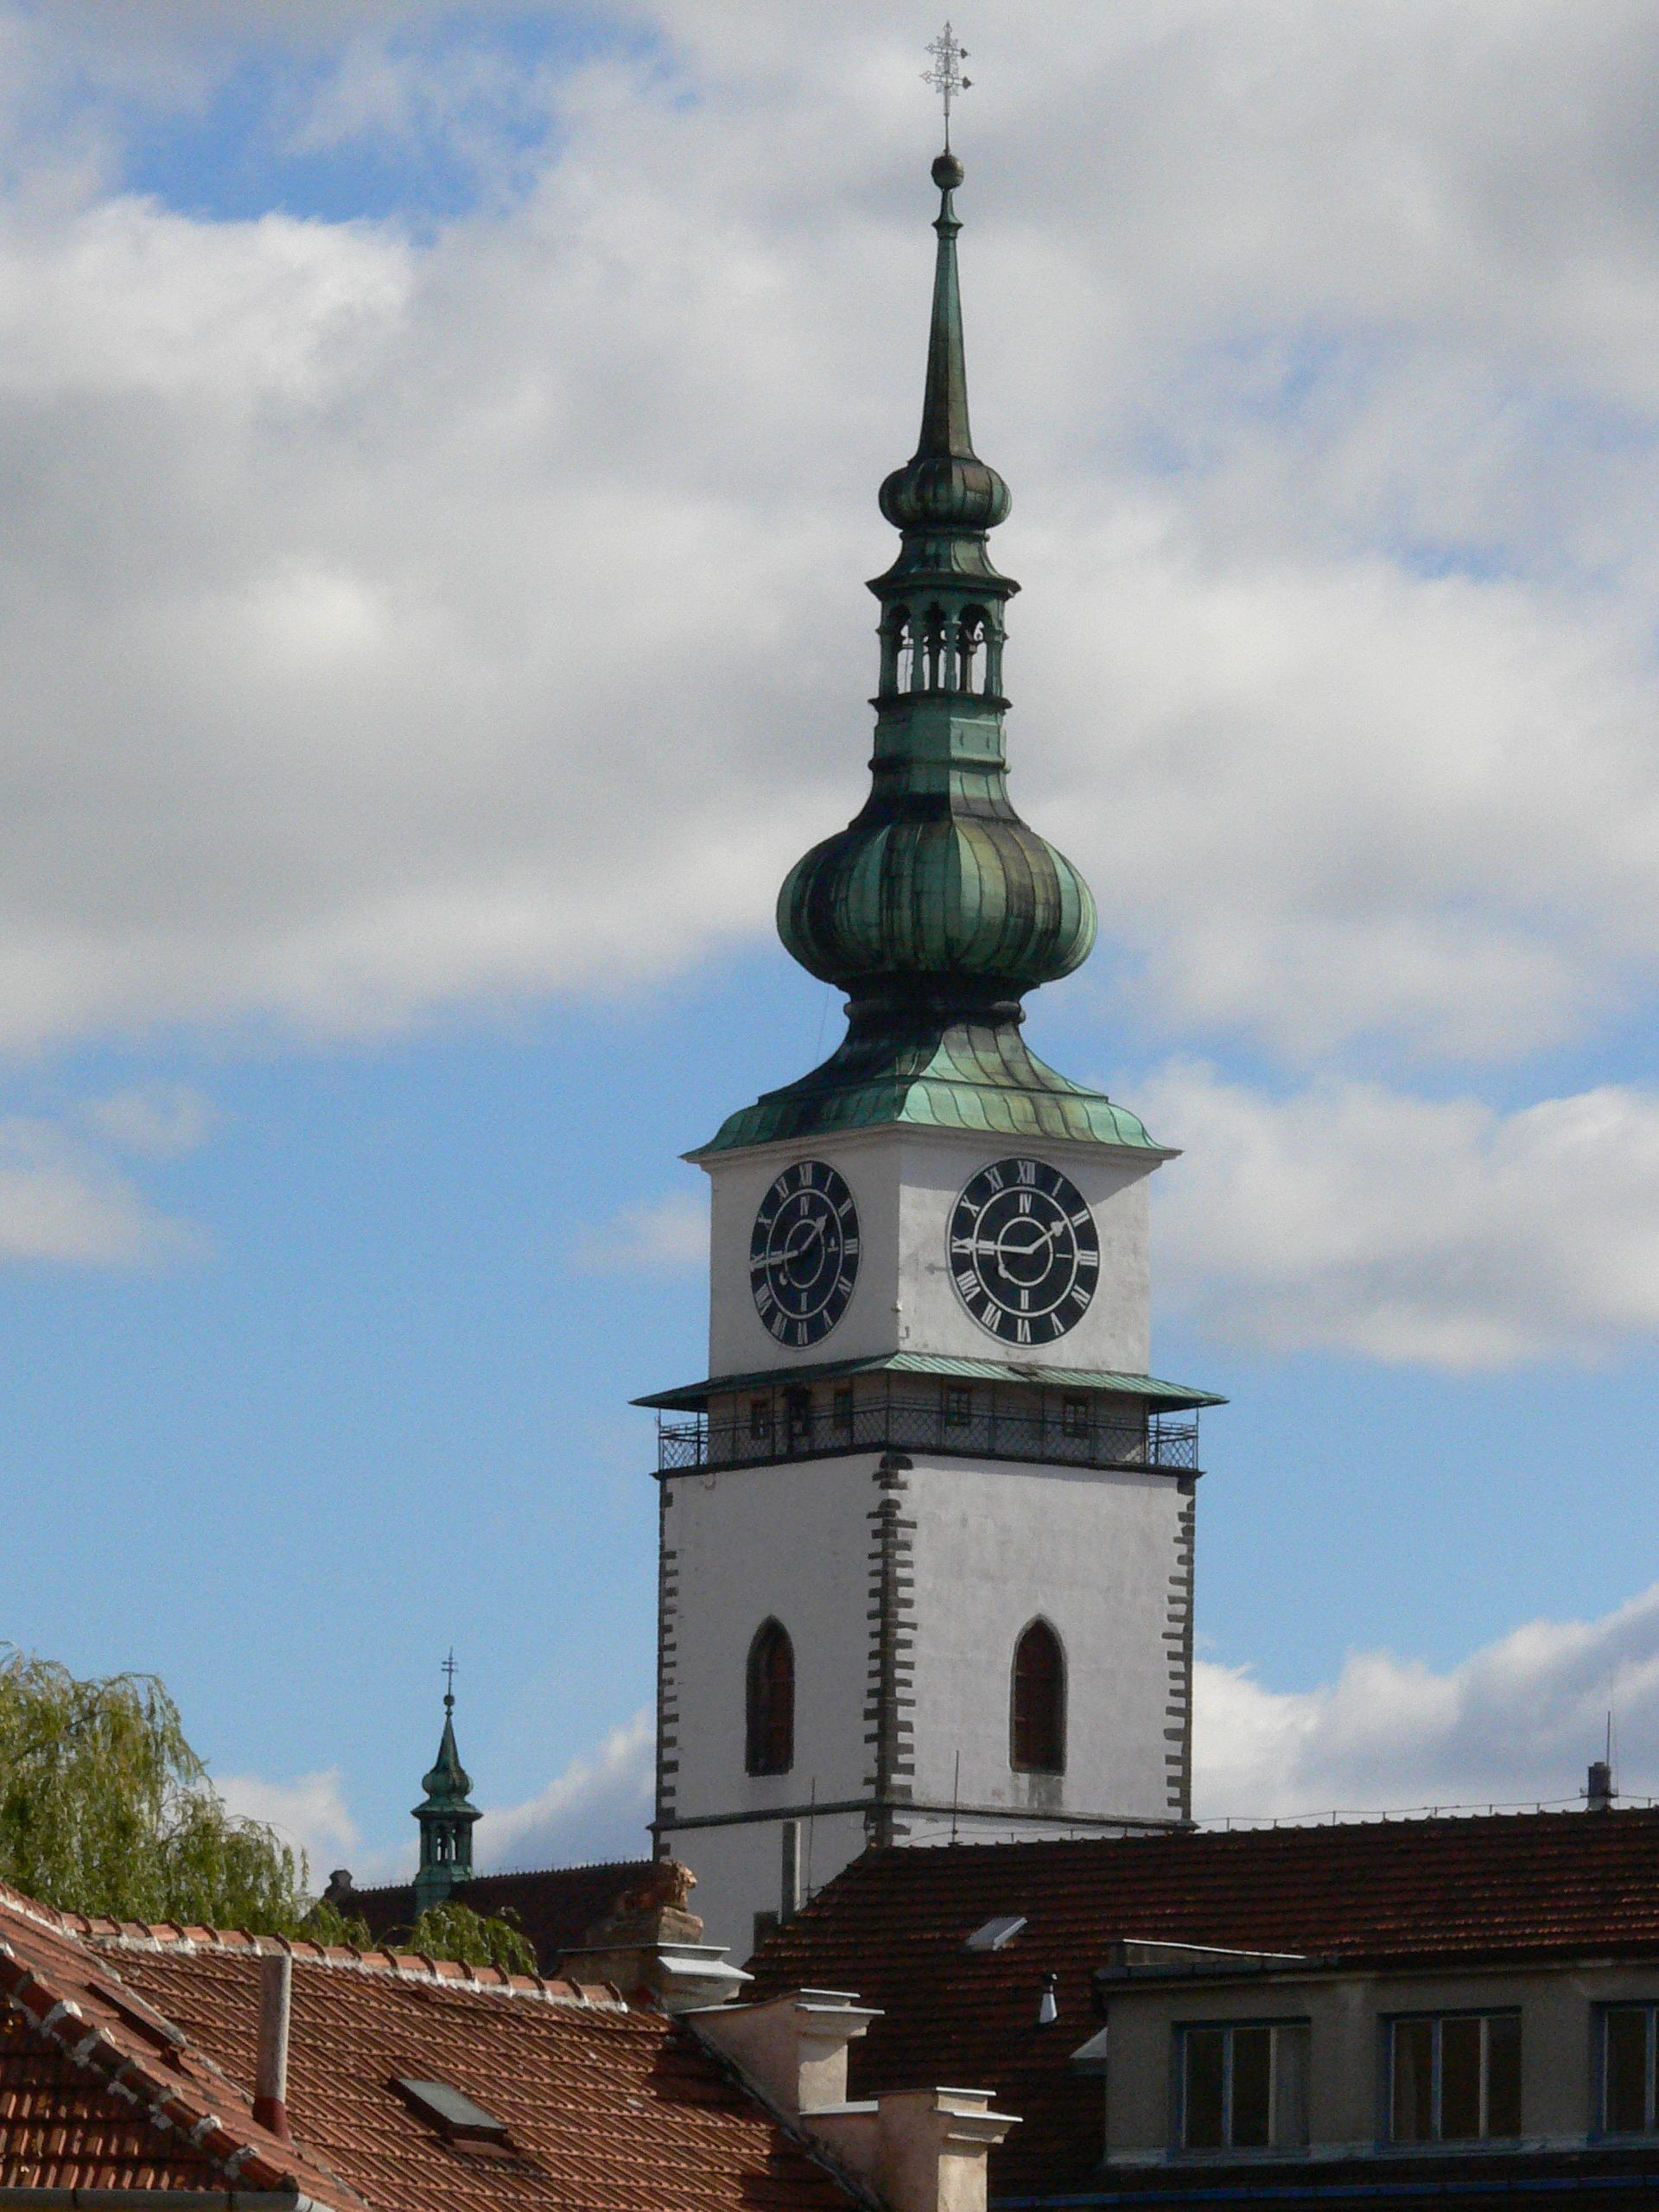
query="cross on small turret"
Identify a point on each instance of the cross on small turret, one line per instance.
(449, 1677)
(945, 76)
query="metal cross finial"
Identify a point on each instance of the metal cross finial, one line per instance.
(449, 1677)
(945, 76)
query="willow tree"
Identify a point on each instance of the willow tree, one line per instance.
(105, 1809)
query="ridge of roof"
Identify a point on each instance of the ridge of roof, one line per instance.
(187, 1940)
(510, 1874)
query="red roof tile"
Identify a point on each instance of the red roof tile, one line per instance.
(607, 2108)
(891, 1926)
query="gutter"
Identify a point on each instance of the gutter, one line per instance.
(158, 2200)
(1321, 2192)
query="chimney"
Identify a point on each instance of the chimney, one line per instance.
(792, 2048)
(270, 2065)
(1600, 1792)
(920, 2150)
(651, 1944)
(791, 1895)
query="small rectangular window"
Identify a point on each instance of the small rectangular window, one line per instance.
(1627, 2039)
(841, 1412)
(1455, 2077)
(1074, 1417)
(457, 2118)
(760, 1419)
(1243, 2086)
(959, 1405)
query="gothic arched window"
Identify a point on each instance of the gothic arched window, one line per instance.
(771, 1700)
(1037, 1716)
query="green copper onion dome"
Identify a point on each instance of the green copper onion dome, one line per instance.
(939, 892)
(938, 908)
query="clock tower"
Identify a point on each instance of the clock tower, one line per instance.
(927, 1524)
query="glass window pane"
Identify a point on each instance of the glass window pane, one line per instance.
(1290, 2085)
(1252, 2088)
(1205, 2051)
(1414, 2080)
(1624, 2107)
(1503, 2073)
(1460, 2042)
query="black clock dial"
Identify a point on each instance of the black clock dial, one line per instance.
(803, 1253)
(1025, 1255)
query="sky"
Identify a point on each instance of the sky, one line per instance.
(438, 450)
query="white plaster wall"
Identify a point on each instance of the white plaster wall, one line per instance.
(793, 1541)
(905, 1183)
(996, 1543)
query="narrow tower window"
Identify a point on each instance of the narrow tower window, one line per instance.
(973, 636)
(1037, 1731)
(771, 1700)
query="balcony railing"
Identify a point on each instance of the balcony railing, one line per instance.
(901, 1424)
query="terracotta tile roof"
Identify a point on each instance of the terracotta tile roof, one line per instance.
(606, 2107)
(556, 1906)
(892, 1926)
(95, 2094)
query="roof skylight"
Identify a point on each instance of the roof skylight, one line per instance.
(995, 1934)
(456, 2117)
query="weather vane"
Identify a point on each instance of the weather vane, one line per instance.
(945, 76)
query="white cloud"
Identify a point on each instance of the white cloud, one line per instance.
(1355, 1218)
(158, 1120)
(667, 1233)
(310, 1813)
(597, 1809)
(1518, 1721)
(63, 1203)
(390, 624)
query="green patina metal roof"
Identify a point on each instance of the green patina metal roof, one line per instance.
(1171, 1397)
(937, 908)
(978, 1076)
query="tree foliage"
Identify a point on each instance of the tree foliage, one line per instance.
(105, 1809)
(454, 1930)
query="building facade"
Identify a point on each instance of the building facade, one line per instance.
(927, 1522)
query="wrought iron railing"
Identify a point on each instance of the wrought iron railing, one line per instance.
(899, 1424)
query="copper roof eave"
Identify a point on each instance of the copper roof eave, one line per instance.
(1172, 1397)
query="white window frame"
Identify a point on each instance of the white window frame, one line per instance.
(1437, 2022)
(1649, 2007)
(1278, 2028)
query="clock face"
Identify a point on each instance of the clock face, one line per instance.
(803, 1253)
(1023, 1251)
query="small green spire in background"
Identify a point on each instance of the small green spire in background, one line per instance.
(447, 1815)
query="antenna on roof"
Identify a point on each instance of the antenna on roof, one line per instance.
(955, 1793)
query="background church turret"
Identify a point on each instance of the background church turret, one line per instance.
(447, 1815)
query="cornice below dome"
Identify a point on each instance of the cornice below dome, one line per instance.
(972, 1076)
